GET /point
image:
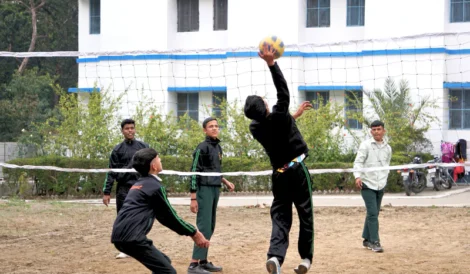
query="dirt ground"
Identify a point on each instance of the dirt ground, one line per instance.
(53, 237)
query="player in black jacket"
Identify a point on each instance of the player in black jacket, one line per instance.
(205, 192)
(121, 157)
(147, 200)
(291, 183)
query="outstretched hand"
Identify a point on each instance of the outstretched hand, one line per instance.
(267, 54)
(304, 106)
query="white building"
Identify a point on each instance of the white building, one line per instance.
(182, 52)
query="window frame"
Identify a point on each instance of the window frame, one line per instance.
(317, 9)
(324, 94)
(348, 107)
(93, 29)
(193, 18)
(181, 113)
(360, 8)
(465, 12)
(461, 108)
(218, 14)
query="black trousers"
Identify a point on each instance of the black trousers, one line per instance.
(121, 193)
(147, 254)
(294, 185)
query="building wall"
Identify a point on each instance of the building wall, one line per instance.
(152, 25)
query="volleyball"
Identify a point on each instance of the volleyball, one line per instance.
(274, 42)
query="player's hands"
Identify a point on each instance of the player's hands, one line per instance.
(194, 207)
(230, 186)
(106, 199)
(267, 54)
(304, 106)
(200, 240)
(359, 183)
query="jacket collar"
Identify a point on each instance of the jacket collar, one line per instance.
(212, 141)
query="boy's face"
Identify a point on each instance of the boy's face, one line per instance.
(378, 133)
(156, 165)
(212, 129)
(128, 131)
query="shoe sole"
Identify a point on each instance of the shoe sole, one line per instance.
(271, 267)
(378, 251)
(301, 269)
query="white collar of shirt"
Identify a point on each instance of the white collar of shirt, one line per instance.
(158, 178)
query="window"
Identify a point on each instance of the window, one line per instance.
(217, 99)
(188, 103)
(316, 96)
(353, 104)
(318, 13)
(188, 15)
(355, 14)
(459, 108)
(95, 18)
(220, 14)
(459, 11)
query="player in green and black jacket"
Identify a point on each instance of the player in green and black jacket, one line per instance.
(205, 192)
(146, 201)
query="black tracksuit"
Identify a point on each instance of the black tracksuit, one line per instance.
(147, 200)
(206, 158)
(280, 137)
(121, 157)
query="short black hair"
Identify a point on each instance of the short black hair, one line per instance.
(142, 159)
(126, 122)
(377, 123)
(207, 120)
(255, 108)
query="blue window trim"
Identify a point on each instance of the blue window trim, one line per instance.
(456, 85)
(358, 23)
(323, 88)
(197, 89)
(246, 54)
(73, 90)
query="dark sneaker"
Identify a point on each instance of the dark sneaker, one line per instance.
(366, 244)
(197, 270)
(210, 267)
(376, 247)
(273, 266)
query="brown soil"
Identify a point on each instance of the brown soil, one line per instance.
(51, 237)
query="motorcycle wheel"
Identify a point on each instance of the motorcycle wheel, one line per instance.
(420, 185)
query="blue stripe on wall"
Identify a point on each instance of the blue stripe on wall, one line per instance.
(383, 52)
(83, 89)
(330, 88)
(456, 84)
(197, 89)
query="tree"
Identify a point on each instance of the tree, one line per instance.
(406, 121)
(26, 99)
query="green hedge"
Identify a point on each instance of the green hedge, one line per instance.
(48, 182)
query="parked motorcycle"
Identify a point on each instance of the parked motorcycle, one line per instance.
(440, 176)
(413, 179)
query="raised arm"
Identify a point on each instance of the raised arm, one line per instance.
(282, 105)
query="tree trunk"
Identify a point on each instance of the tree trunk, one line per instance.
(33, 9)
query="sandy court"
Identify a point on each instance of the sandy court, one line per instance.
(54, 237)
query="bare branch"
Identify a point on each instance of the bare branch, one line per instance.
(34, 35)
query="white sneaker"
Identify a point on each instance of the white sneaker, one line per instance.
(273, 266)
(122, 256)
(303, 267)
